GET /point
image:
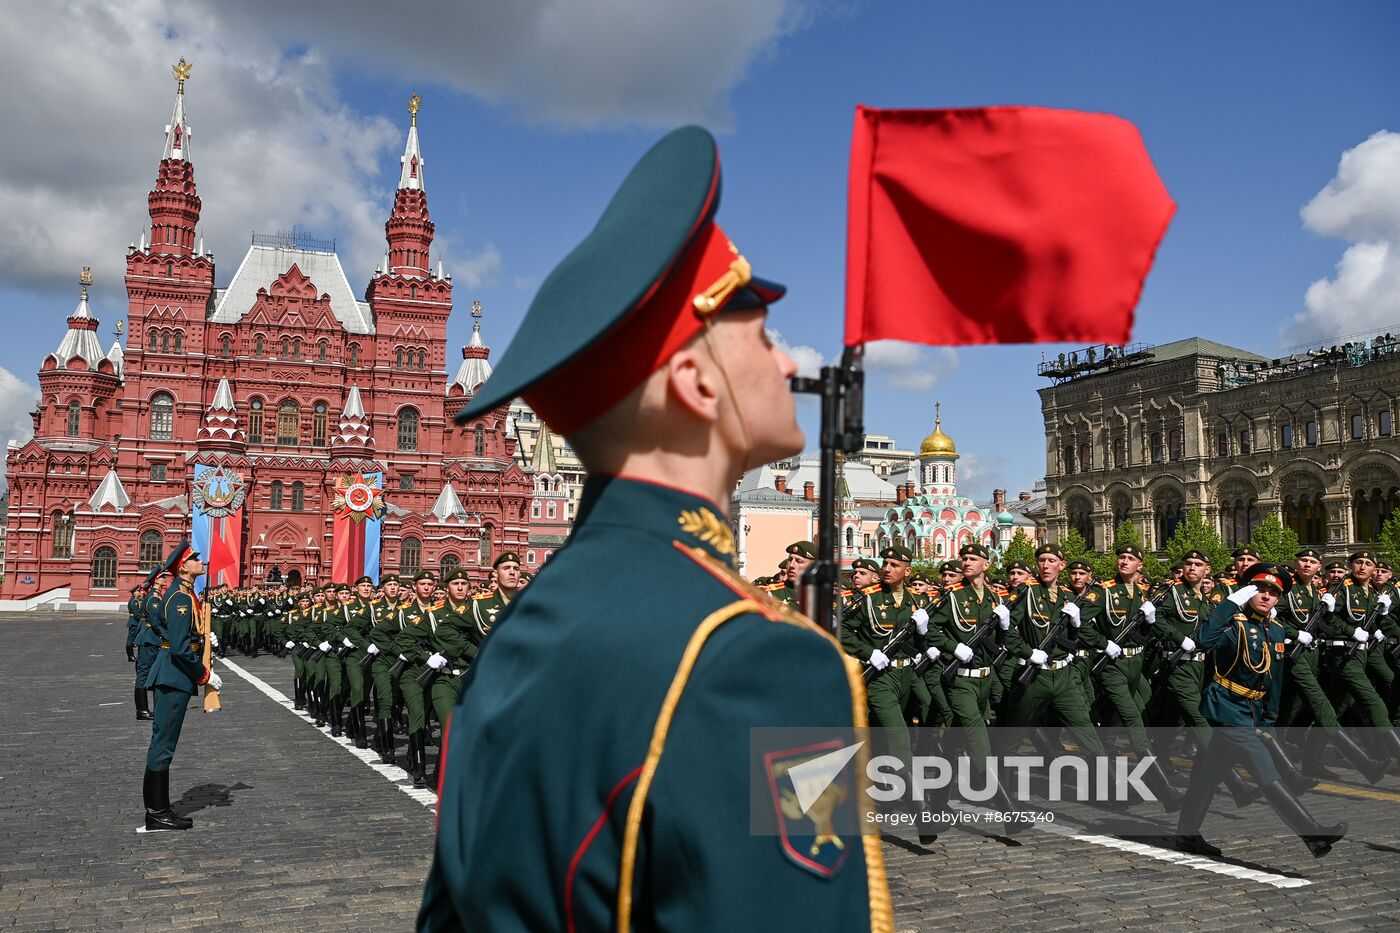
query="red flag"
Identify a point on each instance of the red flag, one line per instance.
(998, 225)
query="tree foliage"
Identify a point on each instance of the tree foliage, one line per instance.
(1275, 542)
(1195, 535)
(1388, 541)
(1021, 547)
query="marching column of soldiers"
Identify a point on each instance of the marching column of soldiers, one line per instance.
(370, 661)
(1220, 661)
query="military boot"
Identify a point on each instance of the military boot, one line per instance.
(1319, 838)
(143, 709)
(156, 793)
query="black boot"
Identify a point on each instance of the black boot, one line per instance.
(1371, 769)
(156, 792)
(299, 690)
(361, 739)
(1162, 788)
(1296, 781)
(420, 765)
(1314, 744)
(1194, 804)
(386, 741)
(1317, 837)
(336, 728)
(318, 707)
(1241, 791)
(143, 711)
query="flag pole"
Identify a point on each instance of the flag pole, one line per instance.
(842, 392)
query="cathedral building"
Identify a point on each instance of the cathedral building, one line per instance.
(307, 430)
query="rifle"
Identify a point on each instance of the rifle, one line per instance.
(1158, 596)
(425, 679)
(1026, 677)
(202, 626)
(1369, 623)
(950, 670)
(367, 661)
(842, 391)
(897, 639)
(1315, 618)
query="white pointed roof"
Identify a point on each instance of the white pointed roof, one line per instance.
(110, 492)
(475, 368)
(542, 457)
(263, 264)
(223, 397)
(80, 340)
(177, 132)
(354, 408)
(411, 171)
(118, 358)
(448, 505)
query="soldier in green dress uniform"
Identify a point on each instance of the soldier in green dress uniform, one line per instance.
(1344, 643)
(487, 607)
(148, 637)
(178, 671)
(355, 639)
(646, 349)
(417, 621)
(385, 614)
(801, 554)
(453, 645)
(1246, 647)
(295, 633)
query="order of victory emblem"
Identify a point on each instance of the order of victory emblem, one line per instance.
(358, 497)
(220, 492)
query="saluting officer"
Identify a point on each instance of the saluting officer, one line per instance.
(177, 673)
(646, 348)
(1246, 649)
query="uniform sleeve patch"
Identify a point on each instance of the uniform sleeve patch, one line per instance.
(812, 792)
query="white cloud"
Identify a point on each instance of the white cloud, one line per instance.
(909, 366)
(809, 360)
(569, 62)
(17, 399)
(1361, 204)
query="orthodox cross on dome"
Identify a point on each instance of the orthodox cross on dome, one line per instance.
(937, 414)
(182, 70)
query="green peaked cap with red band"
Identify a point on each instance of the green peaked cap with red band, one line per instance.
(632, 293)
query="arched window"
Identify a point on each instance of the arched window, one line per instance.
(423, 359)
(850, 535)
(104, 568)
(354, 354)
(530, 558)
(552, 510)
(449, 561)
(276, 503)
(151, 551)
(296, 349)
(255, 421)
(479, 440)
(62, 535)
(398, 356)
(155, 340)
(286, 348)
(1168, 511)
(1122, 508)
(288, 423)
(1156, 447)
(410, 556)
(298, 497)
(1286, 437)
(1358, 426)
(165, 341)
(535, 509)
(1120, 452)
(319, 421)
(483, 548)
(179, 341)
(1375, 495)
(1086, 457)
(1176, 449)
(1080, 519)
(323, 351)
(408, 429)
(1246, 441)
(258, 345)
(1385, 423)
(412, 292)
(1067, 459)
(1310, 433)
(225, 345)
(162, 416)
(75, 416)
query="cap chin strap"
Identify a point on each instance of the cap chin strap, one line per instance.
(728, 388)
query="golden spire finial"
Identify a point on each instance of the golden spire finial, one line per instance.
(85, 280)
(476, 310)
(414, 103)
(182, 73)
(937, 414)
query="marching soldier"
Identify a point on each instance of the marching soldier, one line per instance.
(487, 607)
(134, 618)
(864, 572)
(1018, 574)
(416, 625)
(385, 611)
(1347, 629)
(801, 554)
(453, 648)
(177, 673)
(657, 774)
(1246, 649)
(149, 636)
(296, 635)
(355, 638)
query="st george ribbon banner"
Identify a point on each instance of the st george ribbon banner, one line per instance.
(216, 498)
(359, 512)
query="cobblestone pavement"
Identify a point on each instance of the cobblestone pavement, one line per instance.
(292, 832)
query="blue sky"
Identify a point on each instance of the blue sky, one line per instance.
(1246, 108)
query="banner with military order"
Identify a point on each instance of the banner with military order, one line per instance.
(217, 494)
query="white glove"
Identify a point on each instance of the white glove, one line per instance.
(1243, 595)
(1384, 601)
(963, 653)
(1304, 638)
(1361, 635)
(1072, 611)
(216, 681)
(1329, 601)
(324, 646)
(931, 652)
(878, 660)
(213, 640)
(1112, 649)
(347, 643)
(1149, 613)
(373, 649)
(1039, 657)
(436, 661)
(290, 644)
(1003, 616)
(920, 618)
(1188, 646)
(1377, 638)
(305, 645)
(402, 658)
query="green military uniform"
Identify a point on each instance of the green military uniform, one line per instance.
(296, 642)
(385, 613)
(782, 591)
(1343, 662)
(1107, 609)
(418, 623)
(1177, 691)
(640, 815)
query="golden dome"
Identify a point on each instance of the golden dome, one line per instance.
(938, 444)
